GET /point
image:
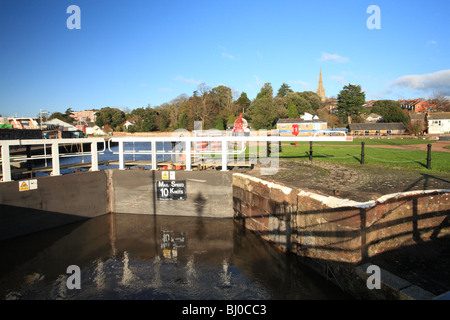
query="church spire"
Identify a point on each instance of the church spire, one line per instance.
(321, 91)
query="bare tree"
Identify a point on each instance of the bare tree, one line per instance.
(441, 102)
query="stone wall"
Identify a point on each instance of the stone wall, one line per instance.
(333, 229)
(337, 237)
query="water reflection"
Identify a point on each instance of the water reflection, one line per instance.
(148, 257)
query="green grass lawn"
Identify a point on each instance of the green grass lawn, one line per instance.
(351, 154)
(368, 141)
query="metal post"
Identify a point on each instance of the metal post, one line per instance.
(6, 164)
(121, 156)
(429, 157)
(45, 154)
(310, 151)
(154, 160)
(94, 157)
(55, 159)
(224, 155)
(29, 164)
(188, 155)
(362, 152)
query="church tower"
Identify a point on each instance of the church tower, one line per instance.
(321, 91)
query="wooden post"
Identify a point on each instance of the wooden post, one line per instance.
(362, 152)
(429, 157)
(310, 151)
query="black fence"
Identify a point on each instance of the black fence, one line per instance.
(14, 134)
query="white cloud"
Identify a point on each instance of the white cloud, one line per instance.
(438, 82)
(432, 42)
(226, 55)
(185, 80)
(259, 82)
(303, 84)
(259, 54)
(338, 79)
(165, 90)
(333, 57)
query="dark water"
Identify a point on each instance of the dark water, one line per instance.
(146, 257)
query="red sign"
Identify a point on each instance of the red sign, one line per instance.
(295, 129)
(240, 124)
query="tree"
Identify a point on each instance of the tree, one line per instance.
(60, 116)
(292, 111)
(416, 127)
(313, 98)
(113, 117)
(350, 102)
(284, 89)
(242, 103)
(262, 110)
(390, 110)
(183, 122)
(219, 123)
(441, 102)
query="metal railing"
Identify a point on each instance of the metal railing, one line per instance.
(185, 146)
(54, 156)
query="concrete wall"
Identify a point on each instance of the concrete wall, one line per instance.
(56, 201)
(67, 198)
(209, 193)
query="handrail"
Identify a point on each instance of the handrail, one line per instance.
(222, 148)
(55, 144)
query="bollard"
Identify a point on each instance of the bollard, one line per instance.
(429, 157)
(310, 151)
(362, 152)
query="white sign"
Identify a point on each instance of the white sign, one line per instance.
(33, 184)
(172, 175)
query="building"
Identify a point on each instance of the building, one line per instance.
(376, 129)
(128, 124)
(86, 115)
(63, 125)
(81, 125)
(373, 117)
(307, 126)
(94, 130)
(369, 104)
(320, 90)
(21, 123)
(417, 105)
(438, 122)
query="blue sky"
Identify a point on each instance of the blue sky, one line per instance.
(139, 52)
